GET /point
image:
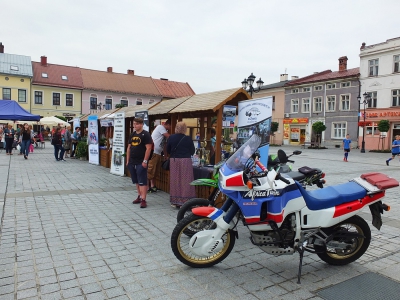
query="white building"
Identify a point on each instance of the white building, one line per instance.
(380, 78)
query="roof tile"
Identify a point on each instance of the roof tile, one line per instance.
(54, 75)
(324, 76)
(173, 89)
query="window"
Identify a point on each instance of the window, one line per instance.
(339, 130)
(108, 103)
(124, 102)
(396, 59)
(139, 101)
(69, 100)
(273, 102)
(345, 84)
(93, 102)
(395, 97)
(306, 89)
(295, 105)
(38, 97)
(295, 91)
(374, 99)
(64, 77)
(330, 103)
(14, 68)
(317, 104)
(345, 102)
(56, 99)
(318, 88)
(44, 75)
(6, 94)
(305, 108)
(330, 86)
(21, 95)
(373, 67)
(372, 130)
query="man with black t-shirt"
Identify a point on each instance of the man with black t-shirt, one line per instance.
(137, 156)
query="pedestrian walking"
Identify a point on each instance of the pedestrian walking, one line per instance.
(25, 137)
(346, 147)
(9, 133)
(67, 141)
(159, 136)
(56, 141)
(395, 149)
(180, 148)
(137, 156)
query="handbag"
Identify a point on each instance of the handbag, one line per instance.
(165, 163)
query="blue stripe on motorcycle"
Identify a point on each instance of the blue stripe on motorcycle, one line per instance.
(215, 214)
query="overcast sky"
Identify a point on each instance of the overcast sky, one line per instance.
(212, 45)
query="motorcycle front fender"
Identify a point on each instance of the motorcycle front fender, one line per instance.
(205, 181)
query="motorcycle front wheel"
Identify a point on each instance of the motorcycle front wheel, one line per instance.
(355, 246)
(180, 242)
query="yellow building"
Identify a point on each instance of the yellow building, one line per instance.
(15, 78)
(56, 90)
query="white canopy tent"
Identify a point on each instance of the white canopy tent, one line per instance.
(52, 121)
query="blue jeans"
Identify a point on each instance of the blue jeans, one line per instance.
(25, 147)
(59, 149)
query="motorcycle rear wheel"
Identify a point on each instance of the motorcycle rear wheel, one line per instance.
(357, 245)
(180, 243)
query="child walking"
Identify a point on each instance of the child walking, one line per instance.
(346, 147)
(395, 149)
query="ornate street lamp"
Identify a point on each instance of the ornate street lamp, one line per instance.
(100, 106)
(367, 99)
(249, 83)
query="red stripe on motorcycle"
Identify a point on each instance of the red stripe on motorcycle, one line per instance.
(349, 207)
(277, 218)
(235, 181)
(203, 211)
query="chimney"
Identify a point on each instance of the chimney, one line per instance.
(362, 46)
(294, 77)
(43, 60)
(343, 63)
(284, 77)
(1, 47)
(131, 72)
(109, 69)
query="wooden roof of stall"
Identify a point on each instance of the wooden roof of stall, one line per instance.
(199, 104)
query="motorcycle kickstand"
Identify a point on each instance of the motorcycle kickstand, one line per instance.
(301, 253)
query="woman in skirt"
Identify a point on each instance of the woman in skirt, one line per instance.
(180, 149)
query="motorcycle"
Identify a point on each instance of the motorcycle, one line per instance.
(304, 175)
(282, 217)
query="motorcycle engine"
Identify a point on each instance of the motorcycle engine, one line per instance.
(270, 241)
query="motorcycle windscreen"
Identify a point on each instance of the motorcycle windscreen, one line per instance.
(242, 157)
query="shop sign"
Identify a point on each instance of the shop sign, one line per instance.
(295, 121)
(69, 115)
(383, 114)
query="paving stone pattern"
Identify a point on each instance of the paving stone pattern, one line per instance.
(70, 231)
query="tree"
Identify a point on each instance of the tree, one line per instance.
(274, 128)
(62, 118)
(318, 127)
(383, 126)
(119, 105)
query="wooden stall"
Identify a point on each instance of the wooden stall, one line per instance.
(204, 107)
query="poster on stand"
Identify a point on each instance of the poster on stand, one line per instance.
(76, 123)
(93, 140)
(254, 117)
(144, 114)
(118, 148)
(228, 116)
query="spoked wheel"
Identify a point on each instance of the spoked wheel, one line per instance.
(186, 208)
(342, 249)
(180, 242)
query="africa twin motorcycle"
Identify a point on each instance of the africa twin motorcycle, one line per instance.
(283, 218)
(304, 175)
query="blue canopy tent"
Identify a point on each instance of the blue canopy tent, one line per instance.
(11, 110)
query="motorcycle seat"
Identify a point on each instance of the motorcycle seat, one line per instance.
(297, 176)
(332, 195)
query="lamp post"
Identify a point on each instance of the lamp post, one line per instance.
(100, 106)
(249, 83)
(367, 99)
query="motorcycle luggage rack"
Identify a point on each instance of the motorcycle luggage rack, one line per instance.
(307, 170)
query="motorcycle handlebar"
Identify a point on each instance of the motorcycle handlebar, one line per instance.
(279, 176)
(259, 164)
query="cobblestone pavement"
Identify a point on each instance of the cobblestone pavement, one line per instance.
(70, 231)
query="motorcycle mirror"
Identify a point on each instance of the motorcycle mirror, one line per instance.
(256, 154)
(297, 152)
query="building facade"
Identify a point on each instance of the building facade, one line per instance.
(56, 90)
(329, 97)
(380, 78)
(15, 78)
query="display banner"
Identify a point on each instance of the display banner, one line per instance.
(76, 123)
(144, 114)
(228, 116)
(118, 149)
(106, 122)
(93, 140)
(255, 116)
